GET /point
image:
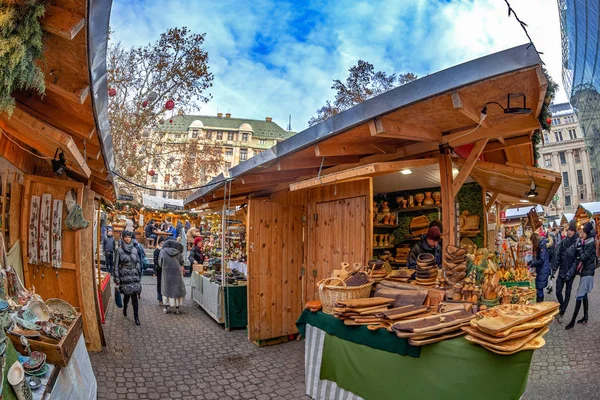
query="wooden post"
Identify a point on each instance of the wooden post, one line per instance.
(448, 203)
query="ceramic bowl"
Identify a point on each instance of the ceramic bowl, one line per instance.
(36, 360)
(41, 372)
(34, 382)
(39, 309)
(59, 306)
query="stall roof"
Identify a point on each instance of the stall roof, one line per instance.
(405, 122)
(592, 207)
(72, 115)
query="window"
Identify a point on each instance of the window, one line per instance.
(546, 138)
(262, 141)
(226, 166)
(244, 137)
(567, 201)
(243, 154)
(209, 135)
(229, 135)
(563, 158)
(548, 160)
(581, 195)
(228, 151)
(558, 136)
(565, 179)
(579, 177)
(577, 156)
(572, 134)
(155, 179)
(219, 135)
(194, 133)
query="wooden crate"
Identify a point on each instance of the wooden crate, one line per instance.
(57, 353)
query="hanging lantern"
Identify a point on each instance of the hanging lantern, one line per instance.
(145, 103)
(170, 104)
(130, 171)
(161, 121)
(152, 172)
(152, 96)
(549, 121)
(112, 92)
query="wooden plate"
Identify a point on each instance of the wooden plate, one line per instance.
(536, 323)
(420, 336)
(434, 322)
(435, 339)
(510, 345)
(492, 339)
(506, 316)
(534, 344)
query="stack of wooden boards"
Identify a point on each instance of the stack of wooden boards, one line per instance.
(427, 270)
(455, 264)
(510, 328)
(361, 311)
(433, 328)
(402, 254)
(401, 275)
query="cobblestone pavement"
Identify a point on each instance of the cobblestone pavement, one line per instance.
(189, 356)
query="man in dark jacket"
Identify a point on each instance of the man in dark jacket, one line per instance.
(158, 270)
(150, 230)
(108, 244)
(428, 244)
(565, 261)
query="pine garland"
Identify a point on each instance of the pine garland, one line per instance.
(544, 115)
(20, 48)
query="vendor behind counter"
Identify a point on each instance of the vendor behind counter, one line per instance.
(428, 243)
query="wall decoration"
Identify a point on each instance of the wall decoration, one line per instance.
(75, 220)
(45, 228)
(34, 226)
(57, 212)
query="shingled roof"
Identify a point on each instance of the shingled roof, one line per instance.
(261, 129)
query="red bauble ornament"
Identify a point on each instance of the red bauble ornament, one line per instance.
(135, 146)
(151, 172)
(170, 104)
(170, 121)
(549, 121)
(112, 92)
(145, 103)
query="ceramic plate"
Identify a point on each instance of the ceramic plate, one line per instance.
(39, 309)
(43, 371)
(29, 316)
(61, 307)
(34, 382)
(5, 321)
(3, 305)
(30, 326)
(23, 359)
(35, 361)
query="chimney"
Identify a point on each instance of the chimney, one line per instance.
(219, 115)
(269, 119)
(228, 115)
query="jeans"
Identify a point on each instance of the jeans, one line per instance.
(158, 285)
(109, 261)
(568, 284)
(134, 301)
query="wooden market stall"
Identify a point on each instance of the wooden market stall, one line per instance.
(587, 212)
(71, 117)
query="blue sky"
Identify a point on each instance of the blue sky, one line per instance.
(275, 58)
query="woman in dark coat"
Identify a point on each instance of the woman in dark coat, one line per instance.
(128, 270)
(586, 268)
(565, 262)
(171, 263)
(541, 264)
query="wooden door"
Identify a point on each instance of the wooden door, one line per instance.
(338, 235)
(275, 258)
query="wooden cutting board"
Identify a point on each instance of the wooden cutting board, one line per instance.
(366, 302)
(492, 339)
(435, 339)
(404, 311)
(510, 345)
(434, 322)
(420, 335)
(536, 343)
(536, 323)
(505, 316)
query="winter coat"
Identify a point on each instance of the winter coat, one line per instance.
(170, 260)
(129, 226)
(128, 269)
(155, 256)
(187, 226)
(565, 259)
(551, 245)
(196, 256)
(108, 244)
(422, 247)
(172, 231)
(149, 230)
(179, 229)
(541, 264)
(141, 255)
(588, 255)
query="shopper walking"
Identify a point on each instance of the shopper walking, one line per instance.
(565, 262)
(170, 260)
(541, 264)
(108, 244)
(158, 270)
(128, 270)
(586, 268)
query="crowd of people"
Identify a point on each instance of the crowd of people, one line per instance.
(126, 261)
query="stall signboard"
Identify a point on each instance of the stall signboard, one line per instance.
(172, 207)
(503, 215)
(125, 197)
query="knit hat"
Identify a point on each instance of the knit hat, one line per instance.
(127, 233)
(588, 228)
(573, 226)
(197, 240)
(434, 233)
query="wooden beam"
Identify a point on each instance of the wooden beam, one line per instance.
(58, 118)
(449, 224)
(272, 176)
(490, 203)
(508, 143)
(61, 22)
(387, 128)
(236, 201)
(535, 172)
(96, 165)
(511, 125)
(543, 87)
(362, 172)
(467, 167)
(288, 164)
(338, 149)
(72, 91)
(468, 110)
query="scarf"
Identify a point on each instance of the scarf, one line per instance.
(127, 247)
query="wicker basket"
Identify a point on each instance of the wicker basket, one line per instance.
(330, 295)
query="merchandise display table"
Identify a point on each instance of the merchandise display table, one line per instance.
(240, 266)
(342, 362)
(227, 305)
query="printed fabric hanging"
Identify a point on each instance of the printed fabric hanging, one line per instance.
(45, 228)
(57, 212)
(34, 226)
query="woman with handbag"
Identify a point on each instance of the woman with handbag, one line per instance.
(585, 268)
(128, 271)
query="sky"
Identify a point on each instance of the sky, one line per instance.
(275, 58)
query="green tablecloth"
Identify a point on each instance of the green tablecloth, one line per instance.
(11, 357)
(379, 339)
(236, 306)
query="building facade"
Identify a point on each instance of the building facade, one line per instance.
(238, 139)
(564, 150)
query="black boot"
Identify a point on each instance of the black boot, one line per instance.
(137, 320)
(572, 323)
(584, 320)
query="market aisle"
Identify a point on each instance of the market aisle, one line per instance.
(567, 367)
(189, 356)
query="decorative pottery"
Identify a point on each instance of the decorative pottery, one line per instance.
(61, 307)
(39, 309)
(375, 240)
(3, 305)
(16, 378)
(386, 240)
(384, 207)
(386, 220)
(437, 197)
(381, 240)
(35, 361)
(404, 203)
(42, 371)
(411, 201)
(401, 201)
(34, 382)
(419, 197)
(5, 321)
(2, 348)
(29, 316)
(428, 201)
(392, 219)
(375, 208)
(26, 324)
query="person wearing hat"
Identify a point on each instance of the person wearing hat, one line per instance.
(196, 256)
(429, 243)
(586, 268)
(565, 262)
(128, 272)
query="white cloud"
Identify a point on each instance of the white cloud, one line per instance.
(309, 46)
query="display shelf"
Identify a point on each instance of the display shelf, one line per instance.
(385, 226)
(422, 208)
